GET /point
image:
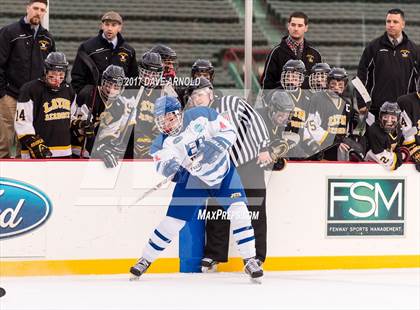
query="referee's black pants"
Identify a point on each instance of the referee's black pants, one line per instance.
(218, 230)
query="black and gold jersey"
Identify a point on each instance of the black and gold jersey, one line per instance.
(329, 118)
(301, 99)
(47, 113)
(410, 117)
(383, 145)
(116, 124)
(410, 123)
(145, 129)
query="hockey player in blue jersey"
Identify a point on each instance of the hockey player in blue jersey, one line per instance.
(192, 149)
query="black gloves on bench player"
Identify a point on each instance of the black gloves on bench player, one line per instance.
(415, 156)
(109, 153)
(36, 146)
(84, 127)
(278, 149)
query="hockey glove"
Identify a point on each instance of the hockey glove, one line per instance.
(292, 138)
(85, 126)
(36, 146)
(280, 164)
(170, 168)
(415, 156)
(109, 155)
(211, 149)
(356, 152)
(405, 153)
(278, 148)
(310, 147)
(181, 176)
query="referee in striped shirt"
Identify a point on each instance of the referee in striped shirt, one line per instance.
(248, 153)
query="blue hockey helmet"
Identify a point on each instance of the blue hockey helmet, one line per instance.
(168, 115)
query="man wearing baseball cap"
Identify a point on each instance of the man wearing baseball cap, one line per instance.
(97, 53)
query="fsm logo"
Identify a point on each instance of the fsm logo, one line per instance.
(23, 208)
(358, 207)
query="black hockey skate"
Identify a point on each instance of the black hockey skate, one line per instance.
(139, 268)
(208, 265)
(253, 269)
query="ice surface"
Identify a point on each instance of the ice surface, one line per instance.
(339, 289)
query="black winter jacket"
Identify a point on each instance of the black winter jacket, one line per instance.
(387, 71)
(103, 54)
(279, 55)
(22, 56)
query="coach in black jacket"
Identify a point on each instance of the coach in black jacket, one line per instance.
(293, 46)
(107, 48)
(22, 54)
(389, 64)
(23, 47)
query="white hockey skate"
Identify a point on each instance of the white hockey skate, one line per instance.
(208, 265)
(254, 270)
(139, 268)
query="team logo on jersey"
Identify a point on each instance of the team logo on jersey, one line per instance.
(43, 45)
(144, 140)
(57, 104)
(236, 195)
(54, 110)
(147, 106)
(405, 53)
(177, 140)
(198, 128)
(226, 116)
(23, 208)
(365, 206)
(106, 118)
(310, 58)
(123, 56)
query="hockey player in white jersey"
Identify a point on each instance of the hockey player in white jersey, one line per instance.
(192, 149)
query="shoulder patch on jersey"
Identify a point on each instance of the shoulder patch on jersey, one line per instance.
(405, 53)
(199, 128)
(310, 58)
(226, 116)
(236, 195)
(177, 140)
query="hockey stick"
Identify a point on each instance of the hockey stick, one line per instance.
(358, 85)
(153, 189)
(95, 75)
